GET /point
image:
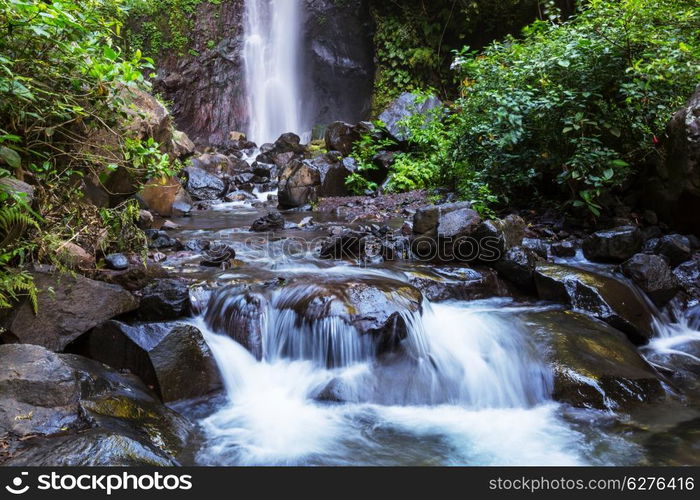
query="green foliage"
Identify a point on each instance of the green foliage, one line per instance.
(121, 223)
(145, 155)
(577, 104)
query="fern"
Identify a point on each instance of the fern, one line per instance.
(17, 284)
(14, 220)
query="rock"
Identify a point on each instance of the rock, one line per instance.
(333, 171)
(116, 261)
(651, 245)
(269, 222)
(652, 274)
(18, 188)
(159, 239)
(145, 219)
(672, 189)
(456, 223)
(167, 197)
(427, 219)
(298, 184)
(458, 284)
(216, 164)
(566, 248)
(169, 225)
(406, 106)
(365, 246)
(518, 267)
(240, 195)
(218, 254)
(174, 360)
(287, 143)
(688, 275)
(68, 307)
(193, 245)
(47, 398)
(203, 185)
(595, 366)
(181, 145)
(613, 245)
(537, 246)
(341, 137)
(241, 315)
(600, 296)
(165, 299)
(675, 247)
(146, 116)
(75, 256)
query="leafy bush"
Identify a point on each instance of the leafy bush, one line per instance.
(578, 104)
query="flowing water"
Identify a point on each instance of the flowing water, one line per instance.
(271, 57)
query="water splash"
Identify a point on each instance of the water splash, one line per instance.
(271, 56)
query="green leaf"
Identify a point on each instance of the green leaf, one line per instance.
(11, 157)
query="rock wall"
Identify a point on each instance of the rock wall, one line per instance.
(339, 51)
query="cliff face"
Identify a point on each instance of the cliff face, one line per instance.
(206, 86)
(339, 48)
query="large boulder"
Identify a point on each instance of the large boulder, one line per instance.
(298, 184)
(203, 185)
(458, 284)
(47, 398)
(672, 190)
(600, 296)
(595, 366)
(68, 307)
(270, 222)
(445, 233)
(675, 247)
(241, 315)
(652, 274)
(333, 171)
(167, 197)
(147, 117)
(613, 245)
(407, 106)
(426, 220)
(341, 137)
(172, 359)
(517, 265)
(688, 275)
(165, 299)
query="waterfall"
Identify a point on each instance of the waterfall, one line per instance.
(271, 57)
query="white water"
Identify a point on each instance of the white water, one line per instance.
(471, 390)
(271, 57)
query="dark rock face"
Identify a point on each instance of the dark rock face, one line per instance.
(688, 275)
(241, 316)
(459, 284)
(174, 360)
(613, 245)
(341, 137)
(203, 185)
(653, 275)
(269, 222)
(339, 49)
(518, 267)
(564, 249)
(405, 106)
(673, 189)
(597, 295)
(675, 247)
(366, 244)
(298, 184)
(427, 219)
(165, 299)
(333, 171)
(56, 395)
(595, 366)
(70, 306)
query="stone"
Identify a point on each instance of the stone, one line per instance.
(341, 137)
(652, 274)
(75, 256)
(218, 254)
(181, 145)
(270, 222)
(116, 261)
(426, 219)
(145, 219)
(202, 185)
(613, 245)
(298, 184)
(536, 245)
(518, 267)
(241, 315)
(675, 247)
(68, 307)
(159, 239)
(172, 359)
(408, 105)
(458, 284)
(603, 297)
(166, 197)
(688, 275)
(164, 299)
(566, 248)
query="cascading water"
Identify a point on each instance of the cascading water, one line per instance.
(271, 57)
(464, 386)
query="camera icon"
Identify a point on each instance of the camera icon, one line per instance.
(16, 487)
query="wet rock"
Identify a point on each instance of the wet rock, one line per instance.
(167, 197)
(427, 219)
(172, 359)
(218, 254)
(518, 267)
(688, 275)
(117, 419)
(650, 246)
(652, 274)
(456, 223)
(69, 306)
(595, 366)
(241, 315)
(565, 248)
(74, 256)
(159, 239)
(406, 106)
(459, 284)
(298, 184)
(203, 185)
(165, 299)
(145, 219)
(181, 145)
(194, 245)
(116, 261)
(216, 164)
(600, 296)
(240, 195)
(341, 137)
(536, 245)
(613, 245)
(169, 225)
(270, 222)
(675, 247)
(333, 172)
